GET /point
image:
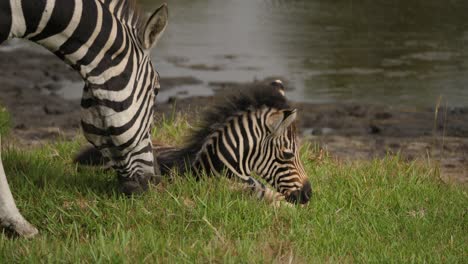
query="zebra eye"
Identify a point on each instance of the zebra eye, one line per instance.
(288, 154)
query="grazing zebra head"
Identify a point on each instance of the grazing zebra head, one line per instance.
(250, 133)
(279, 161)
(108, 43)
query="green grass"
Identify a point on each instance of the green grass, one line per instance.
(4, 121)
(382, 210)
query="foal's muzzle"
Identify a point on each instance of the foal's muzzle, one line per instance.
(301, 196)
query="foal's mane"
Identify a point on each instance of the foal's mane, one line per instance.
(232, 104)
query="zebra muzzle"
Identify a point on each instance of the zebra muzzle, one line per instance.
(138, 184)
(301, 196)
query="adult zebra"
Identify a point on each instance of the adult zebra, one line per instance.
(108, 43)
(250, 132)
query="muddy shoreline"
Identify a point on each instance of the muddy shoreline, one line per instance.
(30, 84)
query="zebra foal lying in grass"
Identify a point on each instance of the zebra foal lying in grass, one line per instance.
(250, 133)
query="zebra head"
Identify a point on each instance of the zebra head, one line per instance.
(118, 101)
(281, 164)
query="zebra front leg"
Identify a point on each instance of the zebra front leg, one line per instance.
(10, 217)
(261, 191)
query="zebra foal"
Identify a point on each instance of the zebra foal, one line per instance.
(250, 133)
(108, 43)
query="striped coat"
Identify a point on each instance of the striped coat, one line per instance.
(249, 136)
(108, 43)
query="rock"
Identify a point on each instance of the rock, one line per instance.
(20, 126)
(374, 129)
(172, 99)
(315, 131)
(357, 111)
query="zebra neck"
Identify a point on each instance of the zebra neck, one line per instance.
(234, 147)
(84, 33)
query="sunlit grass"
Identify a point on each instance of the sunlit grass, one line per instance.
(172, 130)
(380, 210)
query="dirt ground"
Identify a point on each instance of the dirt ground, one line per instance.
(30, 82)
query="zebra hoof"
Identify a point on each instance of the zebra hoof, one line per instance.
(138, 185)
(20, 227)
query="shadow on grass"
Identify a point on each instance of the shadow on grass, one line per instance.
(50, 169)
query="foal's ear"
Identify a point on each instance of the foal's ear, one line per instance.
(279, 121)
(155, 27)
(278, 84)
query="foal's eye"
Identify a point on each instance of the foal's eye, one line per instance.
(288, 154)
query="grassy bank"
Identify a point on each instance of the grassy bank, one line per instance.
(4, 121)
(365, 211)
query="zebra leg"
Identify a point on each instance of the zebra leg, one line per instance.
(138, 184)
(10, 217)
(261, 191)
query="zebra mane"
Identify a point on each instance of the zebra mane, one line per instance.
(235, 103)
(131, 13)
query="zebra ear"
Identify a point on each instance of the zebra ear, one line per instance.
(278, 122)
(155, 27)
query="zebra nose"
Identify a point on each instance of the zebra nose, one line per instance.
(301, 196)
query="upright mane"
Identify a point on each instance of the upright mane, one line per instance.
(128, 12)
(232, 104)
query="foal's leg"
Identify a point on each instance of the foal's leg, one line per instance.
(252, 185)
(261, 191)
(10, 216)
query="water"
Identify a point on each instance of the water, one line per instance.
(390, 52)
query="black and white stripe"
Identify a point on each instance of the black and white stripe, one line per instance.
(252, 134)
(245, 135)
(246, 145)
(108, 43)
